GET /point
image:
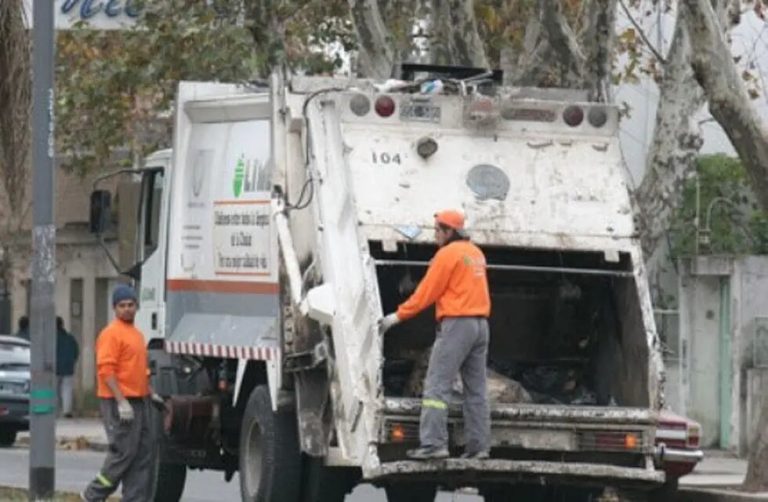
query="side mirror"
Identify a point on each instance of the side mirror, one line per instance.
(101, 207)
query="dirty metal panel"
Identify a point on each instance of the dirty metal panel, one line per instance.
(509, 468)
(538, 412)
(570, 187)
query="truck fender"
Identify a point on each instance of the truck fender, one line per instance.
(274, 380)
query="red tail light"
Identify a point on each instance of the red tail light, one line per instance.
(384, 106)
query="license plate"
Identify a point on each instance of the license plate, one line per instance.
(537, 440)
(416, 111)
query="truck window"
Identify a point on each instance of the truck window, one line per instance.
(152, 196)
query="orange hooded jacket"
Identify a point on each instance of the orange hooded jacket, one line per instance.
(455, 280)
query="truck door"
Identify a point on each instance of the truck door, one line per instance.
(151, 253)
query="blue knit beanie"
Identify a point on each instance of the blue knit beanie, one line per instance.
(123, 292)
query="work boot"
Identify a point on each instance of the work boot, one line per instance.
(428, 453)
(477, 455)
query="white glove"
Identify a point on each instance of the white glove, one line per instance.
(387, 322)
(125, 411)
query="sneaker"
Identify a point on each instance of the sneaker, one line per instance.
(428, 453)
(478, 455)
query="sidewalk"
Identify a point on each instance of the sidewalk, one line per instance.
(719, 468)
(75, 434)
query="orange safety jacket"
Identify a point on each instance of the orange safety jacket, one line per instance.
(121, 352)
(455, 280)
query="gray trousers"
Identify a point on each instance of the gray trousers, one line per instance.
(461, 346)
(131, 454)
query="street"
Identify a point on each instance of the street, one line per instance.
(74, 469)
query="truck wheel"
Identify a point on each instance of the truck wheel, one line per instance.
(411, 492)
(666, 493)
(327, 484)
(497, 493)
(169, 482)
(7, 437)
(270, 460)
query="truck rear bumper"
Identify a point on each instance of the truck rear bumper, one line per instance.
(672, 455)
(458, 471)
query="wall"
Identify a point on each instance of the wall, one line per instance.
(722, 307)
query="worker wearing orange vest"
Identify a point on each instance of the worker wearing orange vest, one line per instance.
(125, 397)
(456, 282)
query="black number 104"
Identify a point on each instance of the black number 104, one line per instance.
(385, 158)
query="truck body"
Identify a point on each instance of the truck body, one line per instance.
(288, 219)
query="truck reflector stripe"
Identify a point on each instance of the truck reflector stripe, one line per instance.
(103, 480)
(223, 351)
(434, 403)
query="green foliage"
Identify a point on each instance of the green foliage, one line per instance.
(726, 208)
(115, 89)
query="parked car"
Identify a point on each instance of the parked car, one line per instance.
(14, 388)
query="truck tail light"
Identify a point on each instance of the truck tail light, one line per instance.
(384, 106)
(573, 115)
(360, 105)
(612, 441)
(693, 436)
(597, 116)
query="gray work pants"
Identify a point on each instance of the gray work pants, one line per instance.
(130, 457)
(461, 345)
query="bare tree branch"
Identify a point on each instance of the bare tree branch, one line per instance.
(455, 36)
(15, 103)
(597, 39)
(569, 60)
(724, 88)
(675, 144)
(642, 34)
(376, 52)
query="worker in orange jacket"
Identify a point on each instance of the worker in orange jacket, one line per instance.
(456, 282)
(125, 397)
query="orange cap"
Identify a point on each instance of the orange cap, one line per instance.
(451, 218)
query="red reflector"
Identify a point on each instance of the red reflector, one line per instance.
(573, 116)
(385, 106)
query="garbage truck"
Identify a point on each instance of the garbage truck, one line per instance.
(290, 215)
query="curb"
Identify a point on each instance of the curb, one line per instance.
(696, 494)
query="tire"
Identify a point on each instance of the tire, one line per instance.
(411, 492)
(270, 459)
(327, 484)
(169, 482)
(666, 493)
(7, 437)
(496, 493)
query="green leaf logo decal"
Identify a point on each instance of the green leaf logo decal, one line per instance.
(237, 185)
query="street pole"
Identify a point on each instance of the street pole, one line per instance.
(42, 406)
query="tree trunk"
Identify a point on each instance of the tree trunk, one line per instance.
(376, 52)
(730, 105)
(597, 41)
(729, 102)
(551, 55)
(675, 144)
(455, 40)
